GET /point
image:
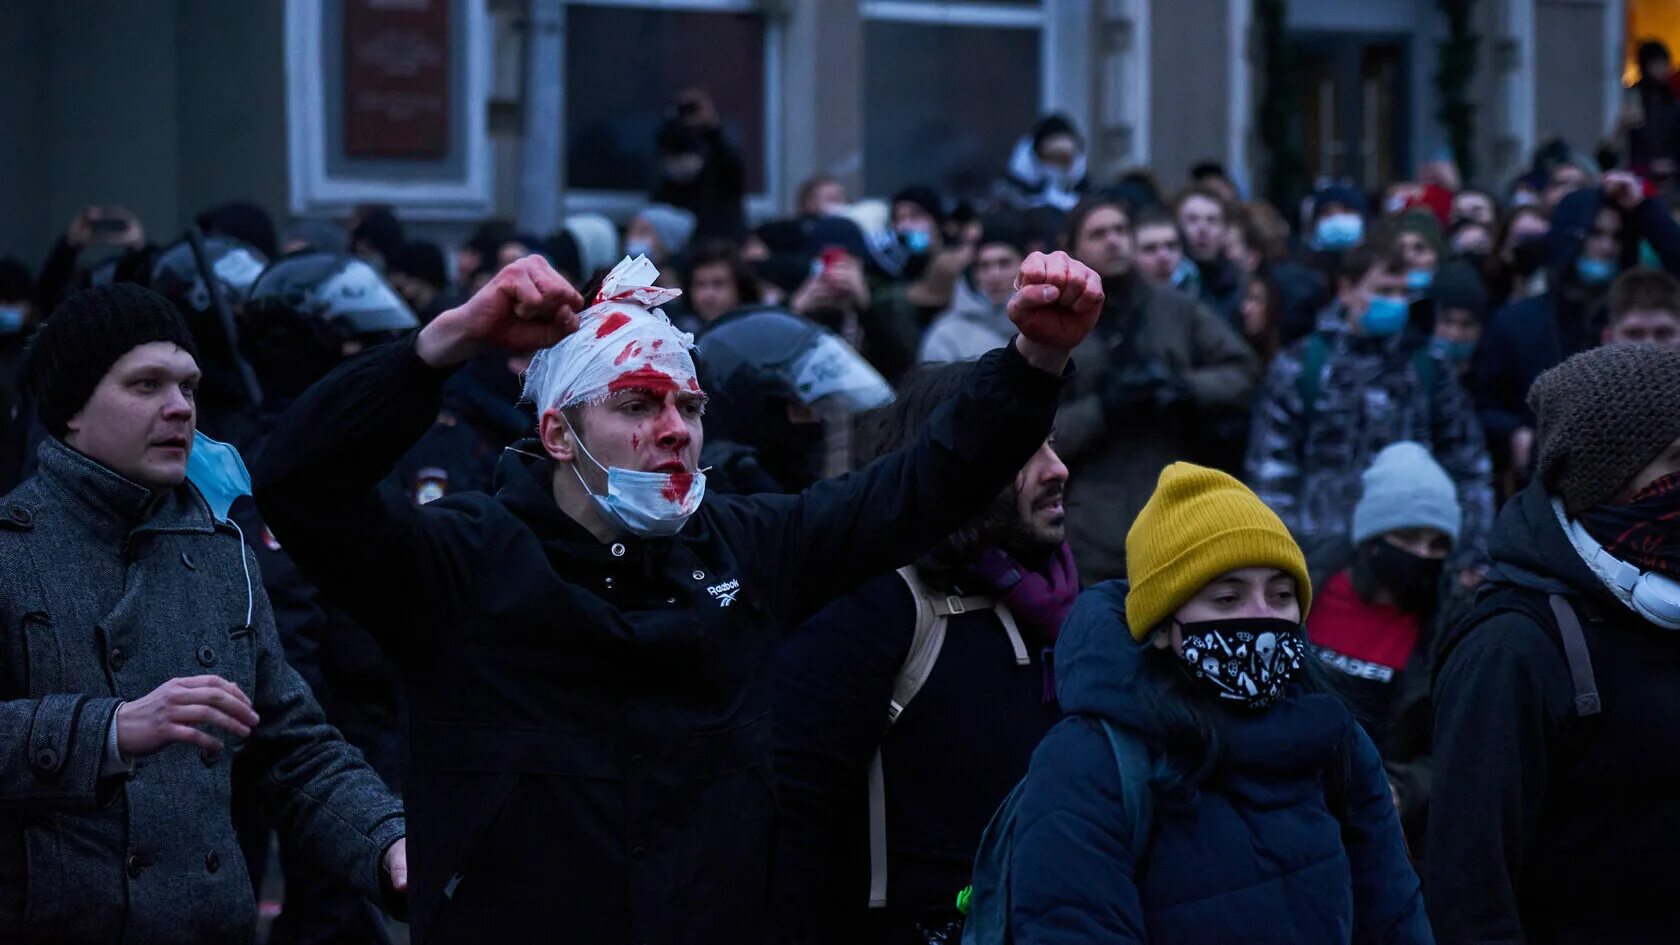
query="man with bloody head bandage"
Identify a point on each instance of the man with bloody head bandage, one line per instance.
(586, 653)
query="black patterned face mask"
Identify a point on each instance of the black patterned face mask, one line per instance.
(1246, 659)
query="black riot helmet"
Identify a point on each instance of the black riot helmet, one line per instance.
(233, 265)
(309, 311)
(758, 363)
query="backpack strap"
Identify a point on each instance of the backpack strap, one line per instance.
(1587, 703)
(933, 613)
(1307, 385)
(1131, 756)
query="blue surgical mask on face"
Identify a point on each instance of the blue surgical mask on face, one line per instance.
(634, 248)
(1454, 352)
(11, 319)
(219, 472)
(1385, 316)
(916, 241)
(649, 504)
(1418, 281)
(1594, 271)
(1339, 231)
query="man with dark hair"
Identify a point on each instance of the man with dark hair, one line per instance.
(883, 800)
(1160, 251)
(978, 320)
(1211, 175)
(139, 657)
(701, 170)
(1556, 814)
(1334, 399)
(418, 273)
(1644, 307)
(1155, 371)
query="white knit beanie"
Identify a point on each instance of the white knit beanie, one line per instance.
(1406, 488)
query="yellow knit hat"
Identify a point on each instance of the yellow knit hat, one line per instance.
(1199, 524)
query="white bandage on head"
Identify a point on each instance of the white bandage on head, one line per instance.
(622, 343)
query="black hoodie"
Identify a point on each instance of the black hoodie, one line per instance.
(1545, 826)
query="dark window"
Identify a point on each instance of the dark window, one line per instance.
(624, 68)
(945, 104)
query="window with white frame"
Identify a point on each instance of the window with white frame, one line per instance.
(626, 61)
(949, 87)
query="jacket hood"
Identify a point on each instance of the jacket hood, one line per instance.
(1099, 672)
(1529, 549)
(1572, 221)
(969, 304)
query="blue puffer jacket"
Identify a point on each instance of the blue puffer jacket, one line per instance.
(1259, 858)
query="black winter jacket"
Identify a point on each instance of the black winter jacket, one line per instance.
(1545, 826)
(589, 740)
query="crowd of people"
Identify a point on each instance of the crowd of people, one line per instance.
(1073, 561)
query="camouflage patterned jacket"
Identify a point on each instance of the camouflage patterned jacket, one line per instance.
(1306, 464)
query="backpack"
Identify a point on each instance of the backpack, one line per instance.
(986, 903)
(1312, 374)
(933, 613)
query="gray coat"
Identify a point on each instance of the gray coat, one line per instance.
(107, 594)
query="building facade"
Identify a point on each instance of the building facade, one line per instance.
(460, 110)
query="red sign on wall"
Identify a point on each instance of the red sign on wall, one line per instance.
(396, 78)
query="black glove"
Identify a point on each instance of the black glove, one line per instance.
(1142, 391)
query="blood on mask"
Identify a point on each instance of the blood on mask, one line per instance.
(676, 488)
(612, 323)
(630, 350)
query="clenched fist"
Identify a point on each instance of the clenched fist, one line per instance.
(1056, 303)
(525, 307)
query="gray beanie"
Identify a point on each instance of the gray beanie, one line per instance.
(673, 224)
(1603, 416)
(1406, 488)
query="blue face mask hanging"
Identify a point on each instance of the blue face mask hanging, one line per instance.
(219, 472)
(1595, 271)
(650, 504)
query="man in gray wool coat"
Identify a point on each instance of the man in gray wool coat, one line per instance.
(138, 654)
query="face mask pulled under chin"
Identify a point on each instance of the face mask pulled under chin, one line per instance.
(1248, 661)
(648, 504)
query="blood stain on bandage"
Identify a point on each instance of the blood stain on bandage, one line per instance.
(676, 490)
(635, 442)
(657, 342)
(630, 350)
(645, 378)
(693, 384)
(612, 323)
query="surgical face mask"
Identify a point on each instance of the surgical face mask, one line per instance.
(11, 319)
(219, 473)
(1245, 660)
(1594, 271)
(916, 241)
(649, 504)
(1339, 231)
(1418, 281)
(1385, 316)
(683, 168)
(1456, 352)
(634, 248)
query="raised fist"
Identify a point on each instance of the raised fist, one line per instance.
(1057, 300)
(524, 307)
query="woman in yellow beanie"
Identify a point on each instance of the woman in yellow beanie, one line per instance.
(1203, 787)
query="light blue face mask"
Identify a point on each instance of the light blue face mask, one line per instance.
(11, 319)
(1418, 281)
(1385, 316)
(650, 504)
(219, 472)
(635, 248)
(916, 241)
(1454, 352)
(1339, 231)
(1594, 271)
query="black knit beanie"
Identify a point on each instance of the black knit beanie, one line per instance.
(1604, 415)
(89, 332)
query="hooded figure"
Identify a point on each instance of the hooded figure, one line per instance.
(1047, 167)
